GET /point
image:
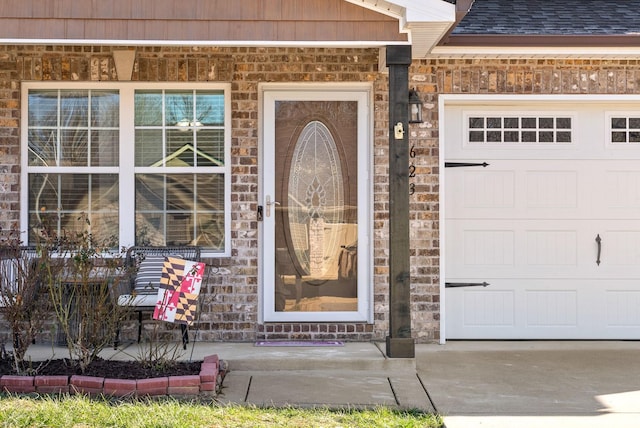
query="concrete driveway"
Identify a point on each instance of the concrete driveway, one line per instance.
(527, 384)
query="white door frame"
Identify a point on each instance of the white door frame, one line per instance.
(269, 93)
(476, 99)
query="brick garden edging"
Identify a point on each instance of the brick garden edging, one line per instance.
(204, 383)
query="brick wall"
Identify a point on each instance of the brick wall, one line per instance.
(482, 76)
(9, 142)
(534, 76)
(230, 302)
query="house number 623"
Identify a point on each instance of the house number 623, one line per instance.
(412, 171)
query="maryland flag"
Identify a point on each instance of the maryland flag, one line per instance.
(179, 290)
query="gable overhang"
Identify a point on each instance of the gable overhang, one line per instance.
(425, 21)
(421, 23)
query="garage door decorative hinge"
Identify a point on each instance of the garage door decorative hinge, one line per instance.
(464, 164)
(465, 284)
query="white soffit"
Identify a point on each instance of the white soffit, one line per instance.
(426, 21)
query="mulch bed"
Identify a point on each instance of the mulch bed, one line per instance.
(106, 368)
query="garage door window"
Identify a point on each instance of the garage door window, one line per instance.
(519, 129)
(624, 129)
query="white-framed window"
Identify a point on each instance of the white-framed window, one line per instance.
(623, 128)
(144, 162)
(524, 128)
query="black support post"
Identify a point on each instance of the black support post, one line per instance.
(400, 344)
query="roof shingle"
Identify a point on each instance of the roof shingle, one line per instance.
(549, 17)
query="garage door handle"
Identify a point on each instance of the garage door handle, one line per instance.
(464, 164)
(465, 284)
(599, 242)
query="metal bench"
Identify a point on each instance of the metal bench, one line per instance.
(16, 263)
(139, 290)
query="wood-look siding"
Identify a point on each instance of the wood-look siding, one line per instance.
(195, 20)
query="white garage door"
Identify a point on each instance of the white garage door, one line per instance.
(552, 223)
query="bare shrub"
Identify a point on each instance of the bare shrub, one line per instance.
(81, 275)
(24, 303)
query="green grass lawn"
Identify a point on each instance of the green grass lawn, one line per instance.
(83, 412)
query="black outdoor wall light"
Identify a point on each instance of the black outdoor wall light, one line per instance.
(415, 107)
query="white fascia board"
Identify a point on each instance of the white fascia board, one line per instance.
(418, 12)
(534, 52)
(427, 10)
(388, 8)
(411, 10)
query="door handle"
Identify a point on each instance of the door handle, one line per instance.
(268, 203)
(464, 164)
(599, 242)
(465, 284)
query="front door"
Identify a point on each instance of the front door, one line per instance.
(315, 208)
